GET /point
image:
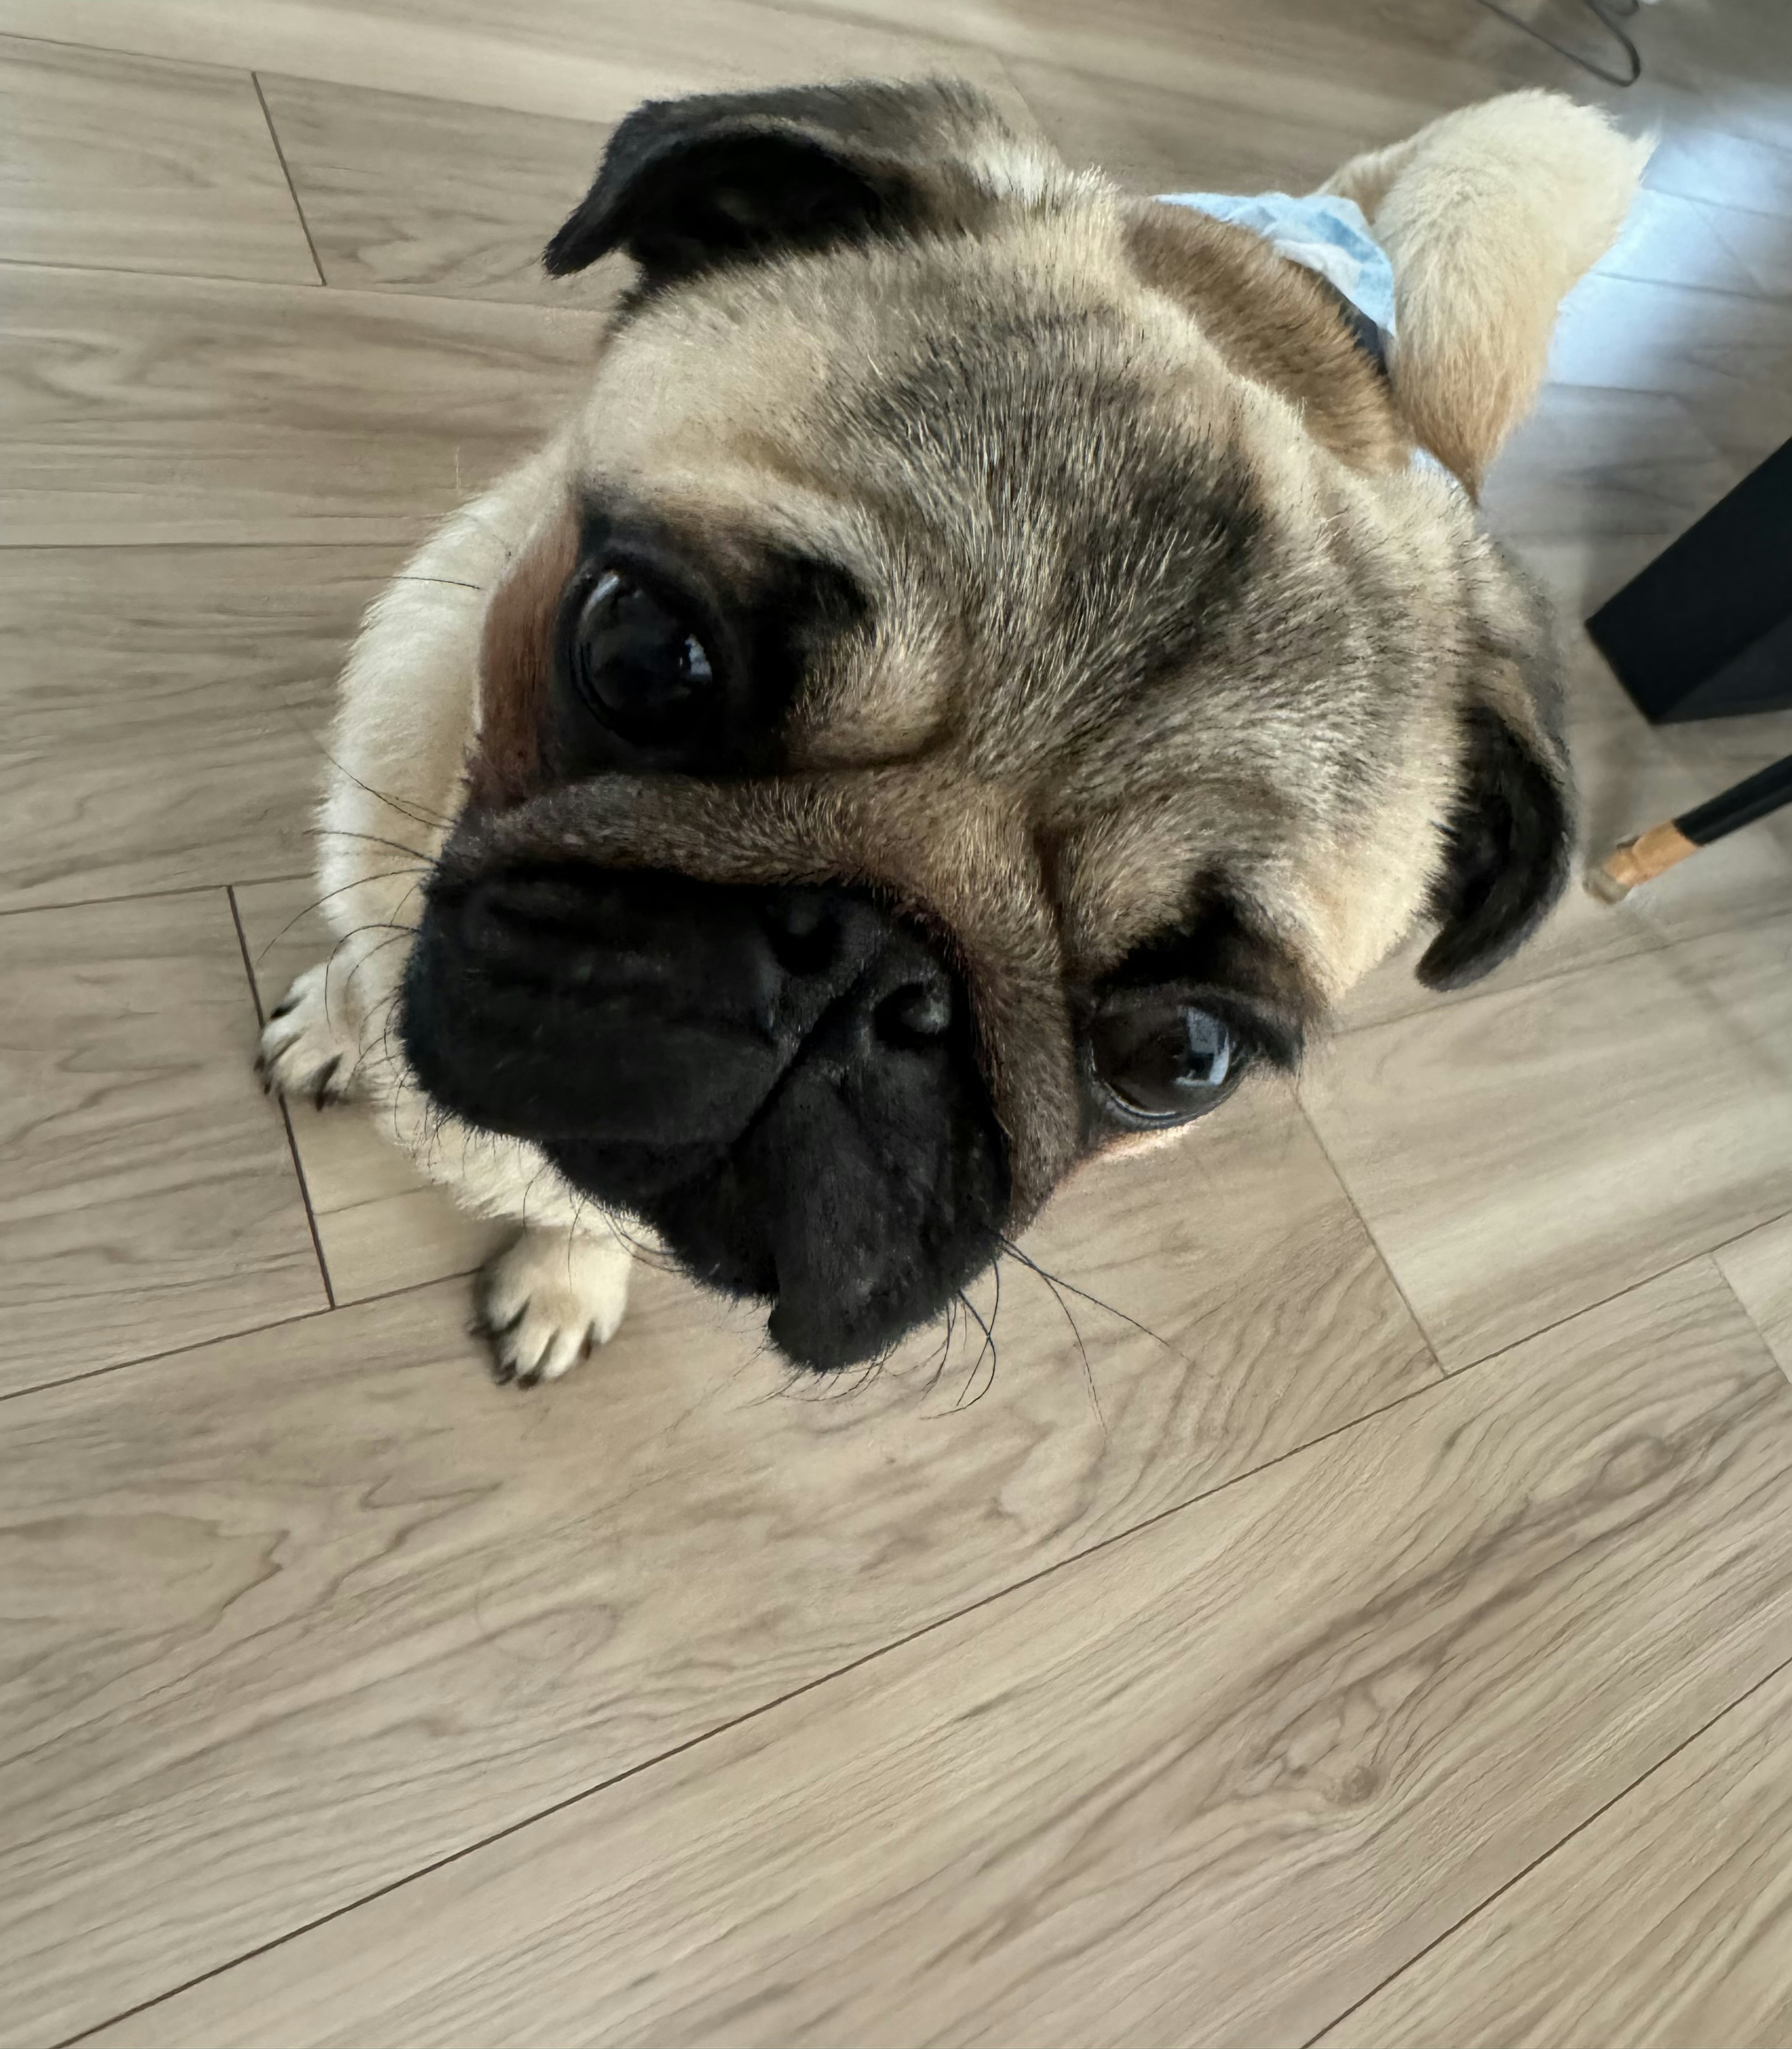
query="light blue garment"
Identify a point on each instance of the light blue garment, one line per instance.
(1321, 232)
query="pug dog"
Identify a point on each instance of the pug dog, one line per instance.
(987, 664)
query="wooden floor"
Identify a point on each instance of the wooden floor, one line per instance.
(1388, 1640)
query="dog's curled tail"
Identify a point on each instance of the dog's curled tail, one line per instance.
(1488, 216)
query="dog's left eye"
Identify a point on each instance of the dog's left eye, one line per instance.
(636, 663)
(1162, 1060)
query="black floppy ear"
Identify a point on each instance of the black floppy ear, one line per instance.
(688, 183)
(1507, 846)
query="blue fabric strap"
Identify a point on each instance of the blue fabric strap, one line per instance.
(1320, 232)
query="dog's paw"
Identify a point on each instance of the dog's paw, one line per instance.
(305, 1050)
(545, 1300)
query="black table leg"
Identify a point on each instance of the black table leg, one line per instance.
(1705, 631)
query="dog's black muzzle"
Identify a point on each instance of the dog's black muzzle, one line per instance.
(782, 1081)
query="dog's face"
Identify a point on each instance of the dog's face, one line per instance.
(963, 707)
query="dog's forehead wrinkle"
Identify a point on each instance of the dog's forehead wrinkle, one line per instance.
(1043, 455)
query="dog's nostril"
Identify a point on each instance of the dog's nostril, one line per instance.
(804, 931)
(915, 1014)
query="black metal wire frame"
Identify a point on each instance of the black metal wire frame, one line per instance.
(1608, 14)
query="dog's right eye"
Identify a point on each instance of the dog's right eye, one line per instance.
(637, 664)
(1161, 1059)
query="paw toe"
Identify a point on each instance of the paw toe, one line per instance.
(546, 1302)
(307, 1051)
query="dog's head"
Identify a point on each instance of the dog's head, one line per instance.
(983, 679)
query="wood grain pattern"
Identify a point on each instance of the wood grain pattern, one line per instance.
(138, 410)
(1669, 239)
(292, 1616)
(1758, 1266)
(1668, 1921)
(380, 1225)
(1705, 159)
(1413, 53)
(403, 193)
(548, 58)
(1527, 1152)
(147, 1198)
(1252, 1759)
(1591, 461)
(484, 1604)
(1727, 357)
(162, 719)
(134, 165)
(1157, 140)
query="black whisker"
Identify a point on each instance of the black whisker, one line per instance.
(951, 1322)
(416, 814)
(655, 1257)
(401, 932)
(372, 839)
(372, 925)
(1082, 1349)
(1070, 1287)
(386, 875)
(988, 1346)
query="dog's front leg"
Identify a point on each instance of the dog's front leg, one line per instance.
(550, 1297)
(314, 1043)
(560, 1288)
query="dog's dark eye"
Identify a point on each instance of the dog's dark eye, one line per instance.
(637, 663)
(1162, 1061)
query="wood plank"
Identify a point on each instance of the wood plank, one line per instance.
(403, 193)
(139, 410)
(380, 1225)
(1593, 462)
(132, 165)
(147, 1197)
(1726, 357)
(408, 193)
(1156, 139)
(1702, 159)
(1668, 1921)
(163, 718)
(1207, 1785)
(1758, 1266)
(1528, 1153)
(543, 59)
(1429, 52)
(1669, 239)
(319, 1606)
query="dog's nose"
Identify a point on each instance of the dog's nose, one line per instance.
(615, 939)
(781, 957)
(784, 1082)
(642, 1006)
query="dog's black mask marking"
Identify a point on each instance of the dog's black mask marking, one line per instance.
(782, 1081)
(1509, 847)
